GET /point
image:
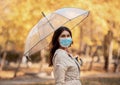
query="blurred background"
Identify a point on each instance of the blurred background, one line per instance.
(96, 42)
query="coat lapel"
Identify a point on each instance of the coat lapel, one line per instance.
(75, 60)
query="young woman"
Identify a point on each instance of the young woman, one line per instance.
(66, 67)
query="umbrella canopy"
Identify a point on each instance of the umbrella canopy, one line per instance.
(38, 37)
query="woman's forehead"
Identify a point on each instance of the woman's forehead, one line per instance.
(65, 32)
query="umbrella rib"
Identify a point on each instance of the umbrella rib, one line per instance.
(48, 20)
(74, 17)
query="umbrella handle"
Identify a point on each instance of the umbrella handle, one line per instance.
(28, 58)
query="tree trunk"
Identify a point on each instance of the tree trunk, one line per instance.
(110, 54)
(106, 63)
(19, 63)
(91, 64)
(107, 49)
(3, 60)
(117, 61)
(93, 50)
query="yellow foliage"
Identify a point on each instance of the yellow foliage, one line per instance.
(115, 45)
(17, 17)
(88, 41)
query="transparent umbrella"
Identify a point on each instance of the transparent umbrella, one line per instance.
(38, 37)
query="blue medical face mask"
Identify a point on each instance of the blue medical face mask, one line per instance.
(65, 42)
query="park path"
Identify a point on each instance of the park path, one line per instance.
(35, 80)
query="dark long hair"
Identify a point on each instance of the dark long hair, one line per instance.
(54, 45)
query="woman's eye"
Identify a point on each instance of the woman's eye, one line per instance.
(68, 35)
(65, 36)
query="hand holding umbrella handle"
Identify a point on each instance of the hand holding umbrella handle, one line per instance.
(79, 60)
(28, 58)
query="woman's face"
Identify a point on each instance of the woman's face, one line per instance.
(65, 39)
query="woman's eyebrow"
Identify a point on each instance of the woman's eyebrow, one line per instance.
(65, 35)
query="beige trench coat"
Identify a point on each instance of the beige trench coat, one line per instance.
(66, 69)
